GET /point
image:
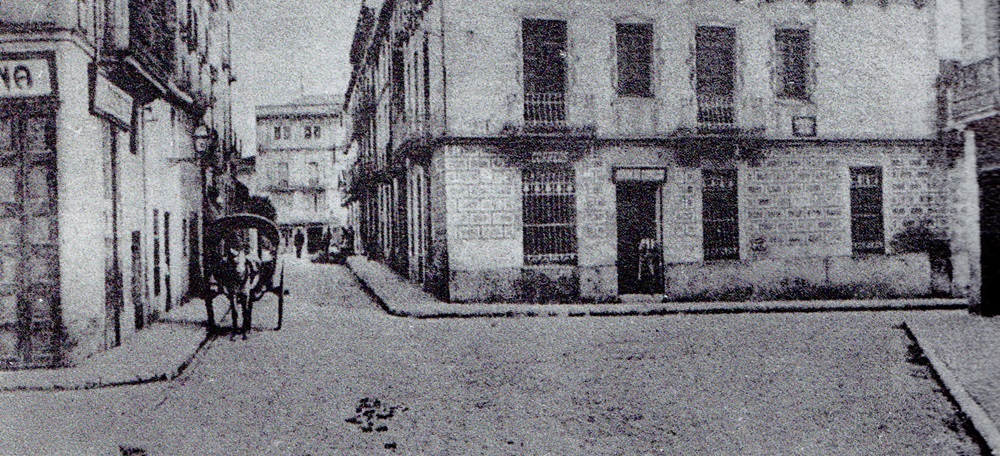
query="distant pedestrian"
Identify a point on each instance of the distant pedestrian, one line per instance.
(300, 240)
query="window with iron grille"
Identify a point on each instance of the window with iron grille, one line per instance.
(544, 55)
(549, 200)
(715, 68)
(793, 63)
(867, 229)
(635, 60)
(720, 215)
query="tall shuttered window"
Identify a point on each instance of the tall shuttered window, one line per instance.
(549, 200)
(867, 228)
(715, 75)
(720, 215)
(793, 63)
(544, 54)
(635, 60)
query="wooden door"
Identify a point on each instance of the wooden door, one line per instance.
(30, 326)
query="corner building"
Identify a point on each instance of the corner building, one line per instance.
(101, 193)
(595, 150)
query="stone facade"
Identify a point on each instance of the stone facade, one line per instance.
(873, 106)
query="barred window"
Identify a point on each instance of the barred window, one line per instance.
(549, 199)
(793, 63)
(867, 229)
(720, 215)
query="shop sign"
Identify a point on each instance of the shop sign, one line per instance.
(640, 174)
(25, 78)
(110, 101)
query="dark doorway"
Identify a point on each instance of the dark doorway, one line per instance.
(989, 223)
(137, 281)
(168, 287)
(314, 239)
(640, 256)
(112, 266)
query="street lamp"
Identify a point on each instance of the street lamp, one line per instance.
(201, 139)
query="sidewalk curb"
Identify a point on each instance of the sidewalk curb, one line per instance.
(985, 426)
(400, 298)
(92, 375)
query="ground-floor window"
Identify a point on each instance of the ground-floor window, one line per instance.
(867, 228)
(720, 215)
(549, 201)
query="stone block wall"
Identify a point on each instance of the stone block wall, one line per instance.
(484, 222)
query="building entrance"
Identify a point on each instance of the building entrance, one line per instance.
(640, 257)
(30, 329)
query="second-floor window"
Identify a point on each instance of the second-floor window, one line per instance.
(544, 71)
(312, 132)
(281, 174)
(282, 132)
(313, 169)
(792, 46)
(635, 60)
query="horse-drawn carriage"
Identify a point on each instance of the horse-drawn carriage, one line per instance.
(241, 261)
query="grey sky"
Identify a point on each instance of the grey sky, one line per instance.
(284, 48)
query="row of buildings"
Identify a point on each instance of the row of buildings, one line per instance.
(590, 150)
(115, 143)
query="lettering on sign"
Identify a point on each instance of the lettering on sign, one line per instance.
(25, 78)
(640, 174)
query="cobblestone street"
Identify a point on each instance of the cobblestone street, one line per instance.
(342, 377)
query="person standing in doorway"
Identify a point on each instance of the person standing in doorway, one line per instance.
(300, 240)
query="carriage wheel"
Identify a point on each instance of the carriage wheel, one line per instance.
(281, 298)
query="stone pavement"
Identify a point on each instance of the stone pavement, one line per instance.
(963, 349)
(160, 352)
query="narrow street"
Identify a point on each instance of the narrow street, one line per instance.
(779, 383)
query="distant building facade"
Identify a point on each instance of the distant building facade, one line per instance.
(297, 167)
(590, 150)
(104, 195)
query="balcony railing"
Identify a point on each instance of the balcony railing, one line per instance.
(716, 113)
(545, 110)
(975, 93)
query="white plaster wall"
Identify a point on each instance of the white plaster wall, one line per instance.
(874, 66)
(131, 205)
(81, 204)
(164, 138)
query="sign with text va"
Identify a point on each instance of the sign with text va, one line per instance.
(25, 78)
